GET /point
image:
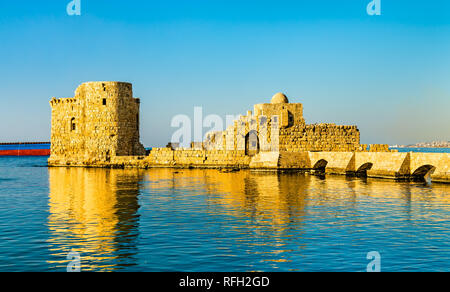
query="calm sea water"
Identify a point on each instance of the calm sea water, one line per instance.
(205, 220)
(426, 150)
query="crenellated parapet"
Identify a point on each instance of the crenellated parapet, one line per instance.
(57, 101)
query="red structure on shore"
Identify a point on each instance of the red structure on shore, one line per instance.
(25, 149)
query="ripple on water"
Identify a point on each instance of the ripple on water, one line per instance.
(198, 220)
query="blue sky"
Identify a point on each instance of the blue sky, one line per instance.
(388, 74)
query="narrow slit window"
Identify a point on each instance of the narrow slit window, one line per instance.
(104, 101)
(73, 126)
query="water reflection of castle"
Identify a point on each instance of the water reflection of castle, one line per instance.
(96, 211)
(93, 211)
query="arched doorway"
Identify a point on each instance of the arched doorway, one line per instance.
(251, 143)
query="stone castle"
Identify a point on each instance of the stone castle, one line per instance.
(99, 127)
(100, 122)
(291, 134)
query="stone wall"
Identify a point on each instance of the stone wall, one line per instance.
(195, 158)
(436, 165)
(319, 137)
(371, 164)
(67, 140)
(382, 164)
(294, 160)
(183, 158)
(333, 162)
(379, 148)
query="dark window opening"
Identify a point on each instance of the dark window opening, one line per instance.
(104, 101)
(73, 126)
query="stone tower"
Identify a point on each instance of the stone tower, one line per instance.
(100, 122)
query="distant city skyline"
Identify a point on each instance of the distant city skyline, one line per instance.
(388, 74)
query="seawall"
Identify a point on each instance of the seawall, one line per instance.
(393, 165)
